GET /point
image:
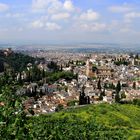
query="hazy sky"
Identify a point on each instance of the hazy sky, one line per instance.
(68, 21)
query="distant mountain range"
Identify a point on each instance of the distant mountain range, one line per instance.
(79, 47)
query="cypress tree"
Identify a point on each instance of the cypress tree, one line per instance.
(134, 85)
(43, 73)
(82, 97)
(1, 66)
(88, 100)
(117, 97)
(118, 87)
(99, 85)
(61, 68)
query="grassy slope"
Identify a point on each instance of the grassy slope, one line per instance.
(90, 122)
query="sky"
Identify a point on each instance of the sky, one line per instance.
(69, 21)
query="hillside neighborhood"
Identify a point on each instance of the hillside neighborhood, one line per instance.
(63, 79)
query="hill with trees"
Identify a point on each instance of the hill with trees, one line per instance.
(90, 122)
(16, 61)
(87, 122)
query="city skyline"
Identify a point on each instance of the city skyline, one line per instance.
(67, 21)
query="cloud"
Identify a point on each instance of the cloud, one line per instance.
(55, 7)
(126, 30)
(60, 16)
(120, 9)
(52, 26)
(54, 10)
(90, 15)
(40, 5)
(3, 7)
(68, 5)
(132, 15)
(52, 6)
(45, 17)
(117, 27)
(40, 24)
(15, 15)
(128, 17)
(93, 27)
(37, 24)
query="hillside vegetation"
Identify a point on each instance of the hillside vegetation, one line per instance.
(91, 122)
(17, 61)
(98, 122)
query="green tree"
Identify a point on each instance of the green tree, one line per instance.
(102, 94)
(53, 66)
(59, 107)
(137, 56)
(82, 96)
(43, 73)
(12, 115)
(99, 85)
(61, 68)
(1, 66)
(117, 97)
(118, 87)
(88, 100)
(83, 99)
(134, 85)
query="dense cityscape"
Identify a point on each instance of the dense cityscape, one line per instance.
(45, 82)
(69, 70)
(60, 79)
